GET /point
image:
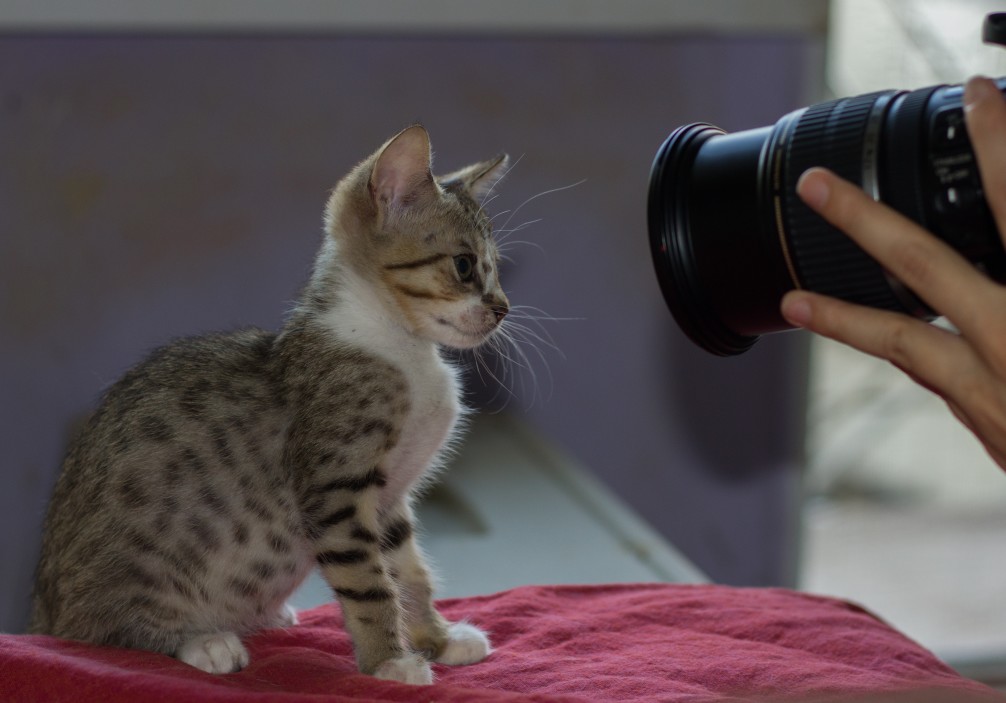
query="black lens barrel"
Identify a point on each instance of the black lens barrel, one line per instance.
(836, 134)
(729, 236)
(683, 280)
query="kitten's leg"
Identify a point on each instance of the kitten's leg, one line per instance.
(347, 548)
(430, 633)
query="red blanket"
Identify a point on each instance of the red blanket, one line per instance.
(554, 644)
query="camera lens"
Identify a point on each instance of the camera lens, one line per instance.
(729, 236)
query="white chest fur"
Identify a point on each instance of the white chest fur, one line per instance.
(432, 417)
(434, 407)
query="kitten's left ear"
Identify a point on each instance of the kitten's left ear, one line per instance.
(478, 179)
(402, 173)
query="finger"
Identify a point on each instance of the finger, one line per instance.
(939, 360)
(998, 454)
(936, 359)
(989, 436)
(985, 116)
(928, 266)
(962, 417)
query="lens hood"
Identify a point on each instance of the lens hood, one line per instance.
(671, 243)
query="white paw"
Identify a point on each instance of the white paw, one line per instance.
(466, 644)
(410, 668)
(216, 653)
(285, 617)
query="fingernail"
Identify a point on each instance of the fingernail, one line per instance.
(977, 89)
(796, 310)
(813, 188)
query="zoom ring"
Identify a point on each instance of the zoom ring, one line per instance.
(826, 261)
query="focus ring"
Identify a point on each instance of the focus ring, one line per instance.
(905, 149)
(832, 135)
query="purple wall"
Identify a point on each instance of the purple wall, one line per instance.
(156, 187)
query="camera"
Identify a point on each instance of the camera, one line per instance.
(729, 236)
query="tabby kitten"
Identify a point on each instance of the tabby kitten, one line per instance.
(220, 470)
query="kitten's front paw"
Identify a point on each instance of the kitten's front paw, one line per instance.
(466, 644)
(216, 653)
(410, 668)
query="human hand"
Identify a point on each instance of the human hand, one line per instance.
(967, 369)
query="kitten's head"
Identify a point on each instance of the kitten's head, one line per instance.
(423, 242)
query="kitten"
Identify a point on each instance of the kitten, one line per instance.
(220, 470)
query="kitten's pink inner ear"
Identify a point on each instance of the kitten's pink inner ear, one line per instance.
(403, 168)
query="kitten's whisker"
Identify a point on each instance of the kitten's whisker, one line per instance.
(477, 357)
(535, 197)
(498, 214)
(524, 313)
(526, 334)
(518, 228)
(508, 345)
(520, 313)
(536, 385)
(506, 246)
(501, 350)
(539, 313)
(499, 371)
(530, 342)
(504, 357)
(480, 362)
(489, 199)
(506, 173)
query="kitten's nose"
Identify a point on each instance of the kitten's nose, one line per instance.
(500, 311)
(498, 304)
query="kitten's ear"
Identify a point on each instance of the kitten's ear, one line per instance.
(402, 173)
(479, 178)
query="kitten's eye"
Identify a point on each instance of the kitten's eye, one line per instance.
(465, 265)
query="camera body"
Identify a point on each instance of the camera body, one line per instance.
(729, 236)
